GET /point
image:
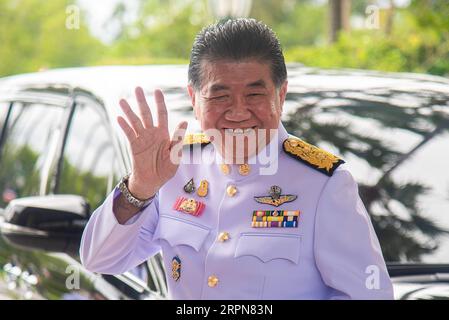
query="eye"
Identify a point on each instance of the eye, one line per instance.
(220, 98)
(255, 94)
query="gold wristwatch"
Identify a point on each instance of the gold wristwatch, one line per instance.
(138, 203)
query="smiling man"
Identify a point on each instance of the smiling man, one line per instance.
(227, 228)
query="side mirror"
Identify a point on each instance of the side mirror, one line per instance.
(51, 223)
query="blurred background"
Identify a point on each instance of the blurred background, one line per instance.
(387, 35)
(368, 80)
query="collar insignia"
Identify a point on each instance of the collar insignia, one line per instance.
(314, 157)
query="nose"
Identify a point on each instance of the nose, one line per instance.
(238, 111)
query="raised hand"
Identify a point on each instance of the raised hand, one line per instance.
(150, 145)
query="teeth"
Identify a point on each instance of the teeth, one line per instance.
(239, 131)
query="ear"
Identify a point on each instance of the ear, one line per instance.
(283, 94)
(192, 94)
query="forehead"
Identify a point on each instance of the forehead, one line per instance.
(234, 74)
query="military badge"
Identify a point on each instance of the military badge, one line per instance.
(202, 189)
(275, 219)
(176, 268)
(189, 187)
(275, 197)
(189, 205)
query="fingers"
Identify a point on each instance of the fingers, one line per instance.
(129, 132)
(134, 120)
(144, 109)
(162, 117)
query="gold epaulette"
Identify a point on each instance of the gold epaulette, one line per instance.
(196, 139)
(312, 156)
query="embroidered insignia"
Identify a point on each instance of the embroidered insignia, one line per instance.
(275, 219)
(189, 205)
(196, 138)
(189, 186)
(275, 198)
(176, 268)
(202, 189)
(312, 156)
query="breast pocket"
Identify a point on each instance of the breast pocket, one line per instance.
(177, 231)
(269, 246)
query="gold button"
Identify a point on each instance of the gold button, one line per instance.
(225, 169)
(244, 169)
(212, 281)
(231, 190)
(223, 236)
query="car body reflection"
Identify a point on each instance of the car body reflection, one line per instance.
(392, 130)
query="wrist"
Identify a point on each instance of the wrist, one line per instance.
(140, 190)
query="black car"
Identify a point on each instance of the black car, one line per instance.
(61, 153)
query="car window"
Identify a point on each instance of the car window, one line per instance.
(30, 144)
(396, 143)
(89, 162)
(426, 181)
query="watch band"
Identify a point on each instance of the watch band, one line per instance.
(123, 187)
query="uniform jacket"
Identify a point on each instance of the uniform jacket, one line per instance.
(329, 251)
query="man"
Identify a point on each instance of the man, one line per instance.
(233, 225)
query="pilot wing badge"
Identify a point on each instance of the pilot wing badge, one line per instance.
(275, 197)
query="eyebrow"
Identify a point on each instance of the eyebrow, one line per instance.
(256, 84)
(218, 87)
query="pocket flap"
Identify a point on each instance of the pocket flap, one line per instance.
(177, 231)
(269, 246)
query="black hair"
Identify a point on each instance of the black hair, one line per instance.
(237, 39)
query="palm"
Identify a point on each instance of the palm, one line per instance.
(151, 146)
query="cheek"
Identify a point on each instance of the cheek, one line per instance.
(267, 111)
(209, 117)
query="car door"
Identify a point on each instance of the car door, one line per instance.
(32, 137)
(90, 166)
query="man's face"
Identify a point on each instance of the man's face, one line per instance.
(239, 100)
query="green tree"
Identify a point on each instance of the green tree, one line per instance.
(33, 35)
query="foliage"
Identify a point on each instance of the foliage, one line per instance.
(33, 35)
(419, 42)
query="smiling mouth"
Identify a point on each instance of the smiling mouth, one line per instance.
(237, 131)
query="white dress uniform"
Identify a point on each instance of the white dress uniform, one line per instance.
(228, 232)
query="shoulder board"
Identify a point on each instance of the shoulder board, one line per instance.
(194, 139)
(314, 157)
